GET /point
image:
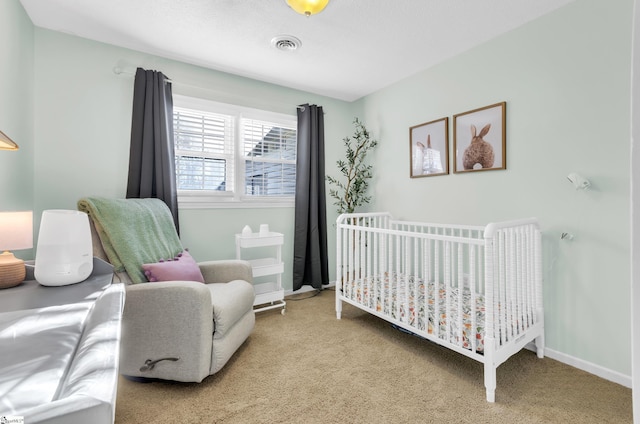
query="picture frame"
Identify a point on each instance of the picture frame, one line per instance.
(480, 139)
(429, 148)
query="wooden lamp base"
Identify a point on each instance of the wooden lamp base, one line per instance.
(12, 270)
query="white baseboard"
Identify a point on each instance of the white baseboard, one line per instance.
(602, 372)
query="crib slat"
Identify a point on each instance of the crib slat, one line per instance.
(424, 276)
(474, 301)
(524, 284)
(418, 281)
(428, 281)
(349, 261)
(436, 291)
(366, 269)
(447, 284)
(490, 293)
(509, 283)
(521, 282)
(502, 316)
(345, 262)
(460, 275)
(395, 270)
(360, 251)
(405, 277)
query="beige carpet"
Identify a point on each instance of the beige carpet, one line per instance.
(309, 367)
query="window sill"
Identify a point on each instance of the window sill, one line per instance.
(205, 202)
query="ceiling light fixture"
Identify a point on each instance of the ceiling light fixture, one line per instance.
(307, 7)
(6, 143)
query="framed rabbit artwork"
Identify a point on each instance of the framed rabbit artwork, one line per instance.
(429, 148)
(480, 139)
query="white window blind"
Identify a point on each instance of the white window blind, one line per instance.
(269, 152)
(204, 150)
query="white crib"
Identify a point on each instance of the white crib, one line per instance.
(475, 290)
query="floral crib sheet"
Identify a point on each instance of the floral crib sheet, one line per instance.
(417, 306)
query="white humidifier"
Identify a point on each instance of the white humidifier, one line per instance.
(64, 252)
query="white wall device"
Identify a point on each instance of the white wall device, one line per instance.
(578, 181)
(64, 252)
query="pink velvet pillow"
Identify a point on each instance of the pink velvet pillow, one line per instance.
(182, 268)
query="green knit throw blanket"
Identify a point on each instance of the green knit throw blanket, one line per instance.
(133, 232)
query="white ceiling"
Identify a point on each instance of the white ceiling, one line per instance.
(351, 49)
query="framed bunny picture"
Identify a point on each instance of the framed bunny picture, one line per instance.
(429, 148)
(480, 139)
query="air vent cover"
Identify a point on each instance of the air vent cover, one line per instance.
(286, 42)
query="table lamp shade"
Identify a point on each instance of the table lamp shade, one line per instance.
(16, 232)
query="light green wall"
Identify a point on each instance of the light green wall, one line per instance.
(566, 80)
(16, 109)
(83, 121)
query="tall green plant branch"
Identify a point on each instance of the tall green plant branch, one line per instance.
(352, 193)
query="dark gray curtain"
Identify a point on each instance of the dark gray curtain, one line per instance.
(310, 264)
(152, 170)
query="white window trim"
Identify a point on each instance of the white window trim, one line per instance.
(194, 199)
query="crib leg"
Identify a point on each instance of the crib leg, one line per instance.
(539, 341)
(338, 307)
(491, 396)
(489, 371)
(490, 382)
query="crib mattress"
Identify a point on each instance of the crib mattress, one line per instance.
(388, 295)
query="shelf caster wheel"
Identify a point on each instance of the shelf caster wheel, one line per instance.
(283, 311)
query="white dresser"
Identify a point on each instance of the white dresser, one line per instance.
(60, 350)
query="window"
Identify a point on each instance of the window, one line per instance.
(270, 159)
(204, 150)
(230, 156)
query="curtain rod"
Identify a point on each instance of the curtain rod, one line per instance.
(302, 108)
(119, 71)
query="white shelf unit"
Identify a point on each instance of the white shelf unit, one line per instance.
(269, 295)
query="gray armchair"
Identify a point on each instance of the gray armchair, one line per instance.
(176, 330)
